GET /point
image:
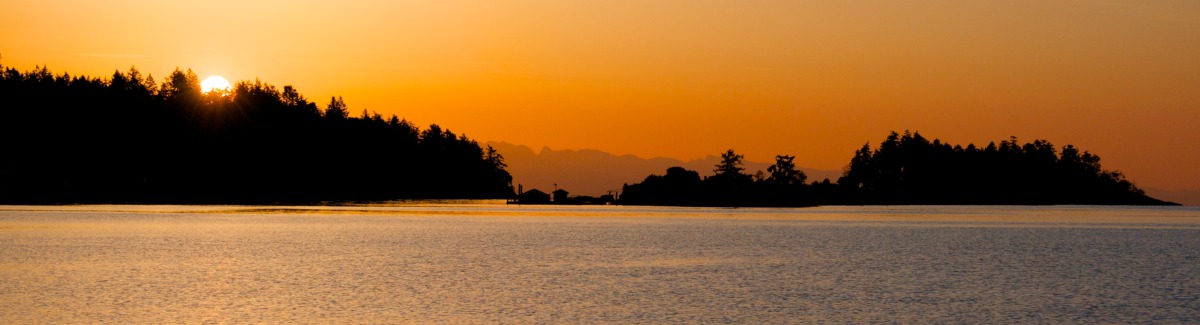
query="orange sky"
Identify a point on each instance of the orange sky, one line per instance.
(685, 79)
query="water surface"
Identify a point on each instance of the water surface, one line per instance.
(449, 262)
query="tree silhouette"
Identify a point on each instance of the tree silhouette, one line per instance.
(336, 110)
(731, 164)
(181, 86)
(784, 172)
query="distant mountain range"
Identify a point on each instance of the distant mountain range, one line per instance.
(594, 172)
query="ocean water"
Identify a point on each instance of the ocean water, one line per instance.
(467, 262)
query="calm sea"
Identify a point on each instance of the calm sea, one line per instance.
(456, 262)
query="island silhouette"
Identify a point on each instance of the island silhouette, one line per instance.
(906, 169)
(130, 139)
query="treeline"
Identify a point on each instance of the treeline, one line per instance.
(905, 169)
(128, 139)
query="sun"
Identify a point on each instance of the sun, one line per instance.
(214, 82)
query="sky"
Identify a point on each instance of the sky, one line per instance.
(686, 79)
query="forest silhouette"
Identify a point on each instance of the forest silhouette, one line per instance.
(128, 139)
(905, 169)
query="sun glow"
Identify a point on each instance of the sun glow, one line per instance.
(214, 82)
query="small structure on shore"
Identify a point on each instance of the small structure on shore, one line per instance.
(560, 197)
(533, 196)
